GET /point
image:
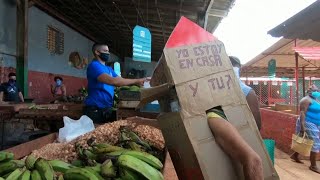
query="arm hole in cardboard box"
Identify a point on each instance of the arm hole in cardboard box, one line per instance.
(216, 111)
(170, 102)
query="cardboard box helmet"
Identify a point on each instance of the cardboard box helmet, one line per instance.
(193, 75)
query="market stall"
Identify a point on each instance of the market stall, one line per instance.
(111, 22)
(110, 134)
(295, 57)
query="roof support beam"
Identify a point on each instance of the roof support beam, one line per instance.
(138, 12)
(106, 15)
(68, 6)
(206, 15)
(61, 18)
(31, 3)
(22, 45)
(217, 13)
(161, 22)
(123, 18)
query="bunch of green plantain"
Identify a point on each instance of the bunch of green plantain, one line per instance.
(130, 140)
(115, 162)
(119, 163)
(32, 168)
(133, 159)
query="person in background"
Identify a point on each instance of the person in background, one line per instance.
(59, 90)
(251, 96)
(309, 122)
(101, 83)
(10, 91)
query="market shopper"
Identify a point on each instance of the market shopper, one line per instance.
(59, 90)
(101, 83)
(251, 96)
(309, 122)
(229, 138)
(10, 91)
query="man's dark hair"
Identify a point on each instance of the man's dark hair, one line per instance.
(96, 46)
(235, 61)
(58, 77)
(11, 74)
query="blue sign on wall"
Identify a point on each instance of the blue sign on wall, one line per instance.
(141, 44)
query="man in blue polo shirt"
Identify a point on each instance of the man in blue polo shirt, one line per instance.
(101, 83)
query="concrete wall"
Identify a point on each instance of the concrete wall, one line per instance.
(7, 33)
(279, 126)
(39, 57)
(42, 65)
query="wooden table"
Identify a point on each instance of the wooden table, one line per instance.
(51, 111)
(15, 107)
(123, 113)
(4, 115)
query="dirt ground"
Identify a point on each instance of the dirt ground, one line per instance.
(289, 170)
(286, 169)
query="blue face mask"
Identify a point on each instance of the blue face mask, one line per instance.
(12, 81)
(315, 95)
(58, 82)
(104, 56)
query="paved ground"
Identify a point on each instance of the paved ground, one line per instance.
(289, 170)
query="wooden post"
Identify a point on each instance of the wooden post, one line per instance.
(269, 91)
(303, 83)
(22, 45)
(297, 80)
(260, 91)
(291, 95)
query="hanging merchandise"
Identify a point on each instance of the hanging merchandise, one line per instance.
(141, 44)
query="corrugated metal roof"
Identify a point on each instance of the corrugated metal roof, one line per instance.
(284, 54)
(309, 53)
(303, 25)
(112, 22)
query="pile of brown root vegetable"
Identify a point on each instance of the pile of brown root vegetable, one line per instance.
(108, 133)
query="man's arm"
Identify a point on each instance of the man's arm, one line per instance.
(254, 107)
(21, 96)
(119, 81)
(236, 148)
(304, 105)
(1, 97)
(64, 90)
(2, 94)
(52, 89)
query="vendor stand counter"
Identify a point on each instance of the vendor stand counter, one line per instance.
(4, 115)
(25, 149)
(51, 111)
(123, 113)
(15, 107)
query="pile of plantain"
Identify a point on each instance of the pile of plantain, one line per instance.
(130, 159)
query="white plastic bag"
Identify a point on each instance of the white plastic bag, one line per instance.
(75, 128)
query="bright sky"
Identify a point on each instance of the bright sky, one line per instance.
(244, 30)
